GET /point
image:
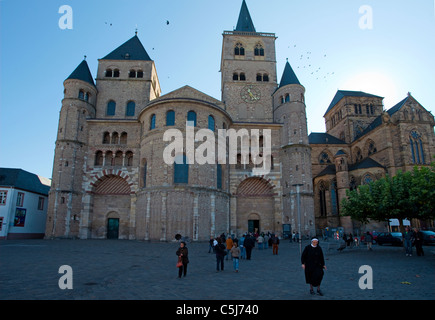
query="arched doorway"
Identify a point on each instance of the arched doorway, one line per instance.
(255, 206)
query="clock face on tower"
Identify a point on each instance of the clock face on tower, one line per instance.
(250, 94)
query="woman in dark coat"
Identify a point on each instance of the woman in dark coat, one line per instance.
(313, 263)
(183, 253)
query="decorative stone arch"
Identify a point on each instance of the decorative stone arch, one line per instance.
(325, 157)
(105, 174)
(255, 201)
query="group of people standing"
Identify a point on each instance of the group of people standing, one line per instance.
(240, 248)
(312, 258)
(413, 237)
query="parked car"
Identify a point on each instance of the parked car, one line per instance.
(393, 238)
(428, 237)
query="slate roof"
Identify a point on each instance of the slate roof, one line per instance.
(288, 76)
(245, 24)
(130, 50)
(364, 164)
(344, 93)
(323, 138)
(83, 73)
(24, 180)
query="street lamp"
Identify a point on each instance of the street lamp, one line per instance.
(298, 185)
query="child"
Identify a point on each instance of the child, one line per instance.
(235, 253)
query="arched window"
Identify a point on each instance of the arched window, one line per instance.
(87, 96)
(115, 138)
(352, 183)
(211, 123)
(334, 197)
(139, 74)
(191, 117)
(371, 147)
(153, 122)
(109, 73)
(111, 108)
(118, 158)
(259, 50)
(357, 154)
(99, 158)
(324, 158)
(123, 139)
(130, 110)
(170, 118)
(81, 95)
(367, 179)
(181, 169)
(106, 138)
(132, 74)
(287, 98)
(239, 50)
(129, 158)
(416, 145)
(322, 199)
(116, 73)
(235, 76)
(242, 77)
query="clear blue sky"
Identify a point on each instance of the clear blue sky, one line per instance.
(393, 58)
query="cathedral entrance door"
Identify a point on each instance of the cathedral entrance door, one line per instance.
(112, 228)
(254, 226)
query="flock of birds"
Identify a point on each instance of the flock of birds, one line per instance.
(308, 61)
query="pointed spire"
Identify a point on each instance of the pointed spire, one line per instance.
(130, 50)
(288, 76)
(83, 73)
(245, 23)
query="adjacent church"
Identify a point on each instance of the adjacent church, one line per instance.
(110, 179)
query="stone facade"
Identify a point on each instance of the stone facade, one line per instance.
(363, 142)
(111, 180)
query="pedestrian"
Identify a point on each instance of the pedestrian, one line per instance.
(249, 244)
(313, 264)
(275, 244)
(266, 240)
(297, 237)
(260, 241)
(229, 244)
(183, 254)
(369, 240)
(210, 246)
(408, 237)
(242, 247)
(220, 254)
(235, 254)
(418, 242)
(293, 239)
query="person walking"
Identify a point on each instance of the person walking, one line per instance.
(275, 244)
(408, 237)
(418, 242)
(242, 247)
(248, 244)
(369, 240)
(313, 264)
(183, 254)
(229, 243)
(220, 254)
(235, 254)
(260, 241)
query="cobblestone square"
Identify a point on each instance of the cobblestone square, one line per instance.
(135, 270)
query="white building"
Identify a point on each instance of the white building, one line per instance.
(23, 204)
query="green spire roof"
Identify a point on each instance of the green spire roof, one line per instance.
(289, 76)
(130, 50)
(83, 73)
(245, 23)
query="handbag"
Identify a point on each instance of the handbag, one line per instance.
(179, 263)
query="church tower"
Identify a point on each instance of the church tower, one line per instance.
(78, 105)
(295, 154)
(248, 70)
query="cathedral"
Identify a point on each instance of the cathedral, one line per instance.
(111, 181)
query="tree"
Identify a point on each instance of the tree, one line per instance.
(407, 195)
